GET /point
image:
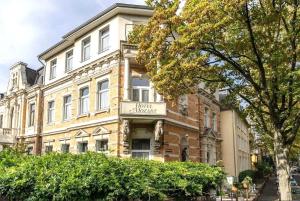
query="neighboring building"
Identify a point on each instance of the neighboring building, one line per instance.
(96, 97)
(235, 144)
(20, 108)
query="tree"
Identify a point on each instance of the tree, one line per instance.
(250, 47)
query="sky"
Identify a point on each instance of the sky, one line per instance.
(28, 27)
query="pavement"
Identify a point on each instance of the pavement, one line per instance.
(270, 191)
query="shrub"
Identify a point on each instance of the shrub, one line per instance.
(94, 176)
(263, 169)
(247, 173)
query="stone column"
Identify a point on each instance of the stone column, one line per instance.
(151, 92)
(159, 98)
(126, 80)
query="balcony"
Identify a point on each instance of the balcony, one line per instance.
(143, 108)
(7, 136)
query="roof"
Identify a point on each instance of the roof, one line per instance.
(93, 19)
(31, 76)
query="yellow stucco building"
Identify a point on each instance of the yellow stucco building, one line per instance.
(92, 95)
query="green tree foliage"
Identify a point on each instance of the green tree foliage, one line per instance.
(249, 47)
(94, 176)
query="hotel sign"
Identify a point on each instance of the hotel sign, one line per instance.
(140, 108)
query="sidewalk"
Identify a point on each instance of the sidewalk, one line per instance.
(270, 191)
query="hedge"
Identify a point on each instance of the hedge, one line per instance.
(247, 173)
(93, 176)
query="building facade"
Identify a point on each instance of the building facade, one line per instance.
(235, 144)
(92, 95)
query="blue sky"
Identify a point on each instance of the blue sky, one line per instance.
(28, 27)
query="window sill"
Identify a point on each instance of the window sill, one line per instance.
(102, 110)
(50, 124)
(66, 120)
(102, 51)
(83, 115)
(84, 60)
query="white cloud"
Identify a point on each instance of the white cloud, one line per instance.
(19, 33)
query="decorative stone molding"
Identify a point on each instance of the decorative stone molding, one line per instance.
(101, 131)
(125, 129)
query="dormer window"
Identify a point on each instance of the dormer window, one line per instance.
(53, 69)
(104, 40)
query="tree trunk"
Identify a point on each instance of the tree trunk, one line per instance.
(283, 168)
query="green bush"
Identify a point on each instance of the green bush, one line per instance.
(263, 169)
(247, 173)
(94, 176)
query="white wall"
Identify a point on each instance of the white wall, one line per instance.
(116, 34)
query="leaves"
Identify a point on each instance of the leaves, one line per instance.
(93, 176)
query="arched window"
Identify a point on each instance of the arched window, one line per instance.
(140, 89)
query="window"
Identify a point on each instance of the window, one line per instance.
(102, 145)
(141, 148)
(103, 91)
(31, 114)
(51, 112)
(104, 40)
(206, 118)
(48, 148)
(1, 121)
(140, 89)
(86, 49)
(214, 121)
(53, 69)
(65, 148)
(67, 107)
(84, 101)
(69, 60)
(82, 147)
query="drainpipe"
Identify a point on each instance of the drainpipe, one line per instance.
(234, 144)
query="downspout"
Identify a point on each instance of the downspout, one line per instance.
(38, 142)
(234, 144)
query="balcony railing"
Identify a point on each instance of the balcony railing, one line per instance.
(143, 108)
(7, 135)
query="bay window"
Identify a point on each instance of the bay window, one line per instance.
(140, 89)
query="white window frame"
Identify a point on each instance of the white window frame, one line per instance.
(78, 143)
(51, 111)
(142, 150)
(69, 67)
(99, 92)
(84, 47)
(103, 36)
(140, 89)
(81, 98)
(31, 119)
(206, 118)
(61, 147)
(96, 145)
(214, 121)
(53, 67)
(65, 118)
(1, 120)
